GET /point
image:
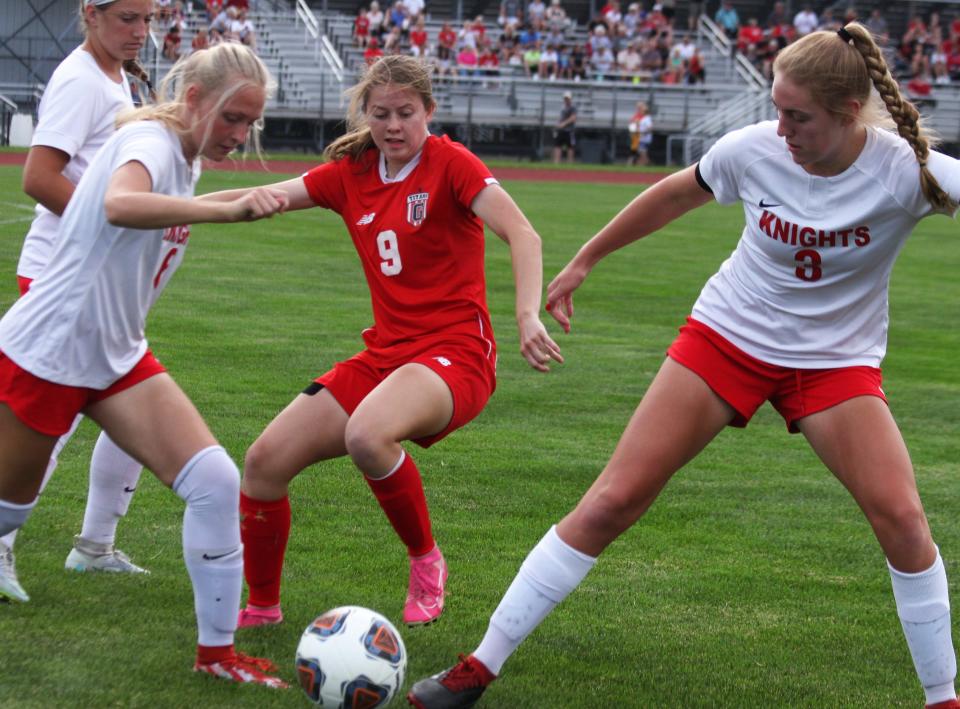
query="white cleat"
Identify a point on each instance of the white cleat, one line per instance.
(10, 588)
(92, 556)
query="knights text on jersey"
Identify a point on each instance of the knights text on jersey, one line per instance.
(421, 246)
(82, 321)
(807, 284)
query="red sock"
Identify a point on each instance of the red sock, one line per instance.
(264, 530)
(400, 494)
(208, 654)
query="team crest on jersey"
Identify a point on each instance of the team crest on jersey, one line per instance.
(417, 208)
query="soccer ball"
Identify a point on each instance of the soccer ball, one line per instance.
(351, 658)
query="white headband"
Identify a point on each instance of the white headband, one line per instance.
(98, 2)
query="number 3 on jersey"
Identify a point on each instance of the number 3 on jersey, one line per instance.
(390, 253)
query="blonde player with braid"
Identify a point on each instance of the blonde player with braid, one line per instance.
(796, 316)
(76, 116)
(75, 341)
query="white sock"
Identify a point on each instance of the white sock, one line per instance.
(210, 485)
(550, 572)
(113, 478)
(13, 515)
(923, 604)
(9, 538)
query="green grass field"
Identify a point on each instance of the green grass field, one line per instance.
(753, 582)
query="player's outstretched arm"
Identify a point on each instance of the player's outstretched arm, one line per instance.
(294, 189)
(130, 202)
(652, 209)
(499, 212)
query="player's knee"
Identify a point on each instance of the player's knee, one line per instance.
(903, 520)
(364, 443)
(209, 480)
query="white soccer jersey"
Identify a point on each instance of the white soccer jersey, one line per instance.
(82, 321)
(76, 115)
(807, 285)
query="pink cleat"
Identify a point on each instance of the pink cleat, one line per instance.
(428, 575)
(254, 616)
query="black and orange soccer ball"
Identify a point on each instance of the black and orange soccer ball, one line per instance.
(351, 658)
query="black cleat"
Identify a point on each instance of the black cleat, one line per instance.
(459, 686)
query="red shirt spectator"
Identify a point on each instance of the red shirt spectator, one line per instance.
(750, 33)
(489, 61)
(418, 39)
(361, 28)
(447, 37)
(372, 52)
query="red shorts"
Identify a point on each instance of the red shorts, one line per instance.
(23, 283)
(50, 408)
(745, 382)
(468, 373)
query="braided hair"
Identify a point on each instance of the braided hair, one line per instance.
(839, 66)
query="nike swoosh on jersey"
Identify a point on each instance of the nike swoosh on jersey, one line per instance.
(771, 204)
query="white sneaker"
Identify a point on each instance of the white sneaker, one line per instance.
(10, 588)
(91, 556)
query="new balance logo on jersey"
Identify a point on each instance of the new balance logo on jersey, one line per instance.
(366, 219)
(417, 208)
(444, 361)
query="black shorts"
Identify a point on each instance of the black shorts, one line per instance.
(564, 139)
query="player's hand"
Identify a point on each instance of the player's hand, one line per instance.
(258, 203)
(536, 345)
(560, 294)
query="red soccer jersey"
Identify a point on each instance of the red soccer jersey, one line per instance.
(421, 246)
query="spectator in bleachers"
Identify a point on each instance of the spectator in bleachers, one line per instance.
(414, 9)
(556, 16)
(201, 39)
(651, 60)
(393, 40)
(805, 21)
(467, 36)
(221, 22)
(728, 19)
(783, 34)
(242, 29)
(480, 31)
(628, 61)
(214, 8)
(657, 19)
(599, 40)
(577, 62)
(537, 13)
(611, 15)
(376, 18)
(696, 71)
(749, 34)
(531, 60)
(938, 65)
(877, 24)
(549, 63)
(361, 28)
(397, 17)
(446, 46)
(632, 19)
(163, 13)
(489, 59)
(419, 38)
(829, 21)
(554, 38)
(468, 61)
(686, 48)
(511, 13)
(778, 16)
(674, 67)
(508, 41)
(952, 50)
(171, 43)
(373, 51)
(513, 59)
(765, 56)
(529, 35)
